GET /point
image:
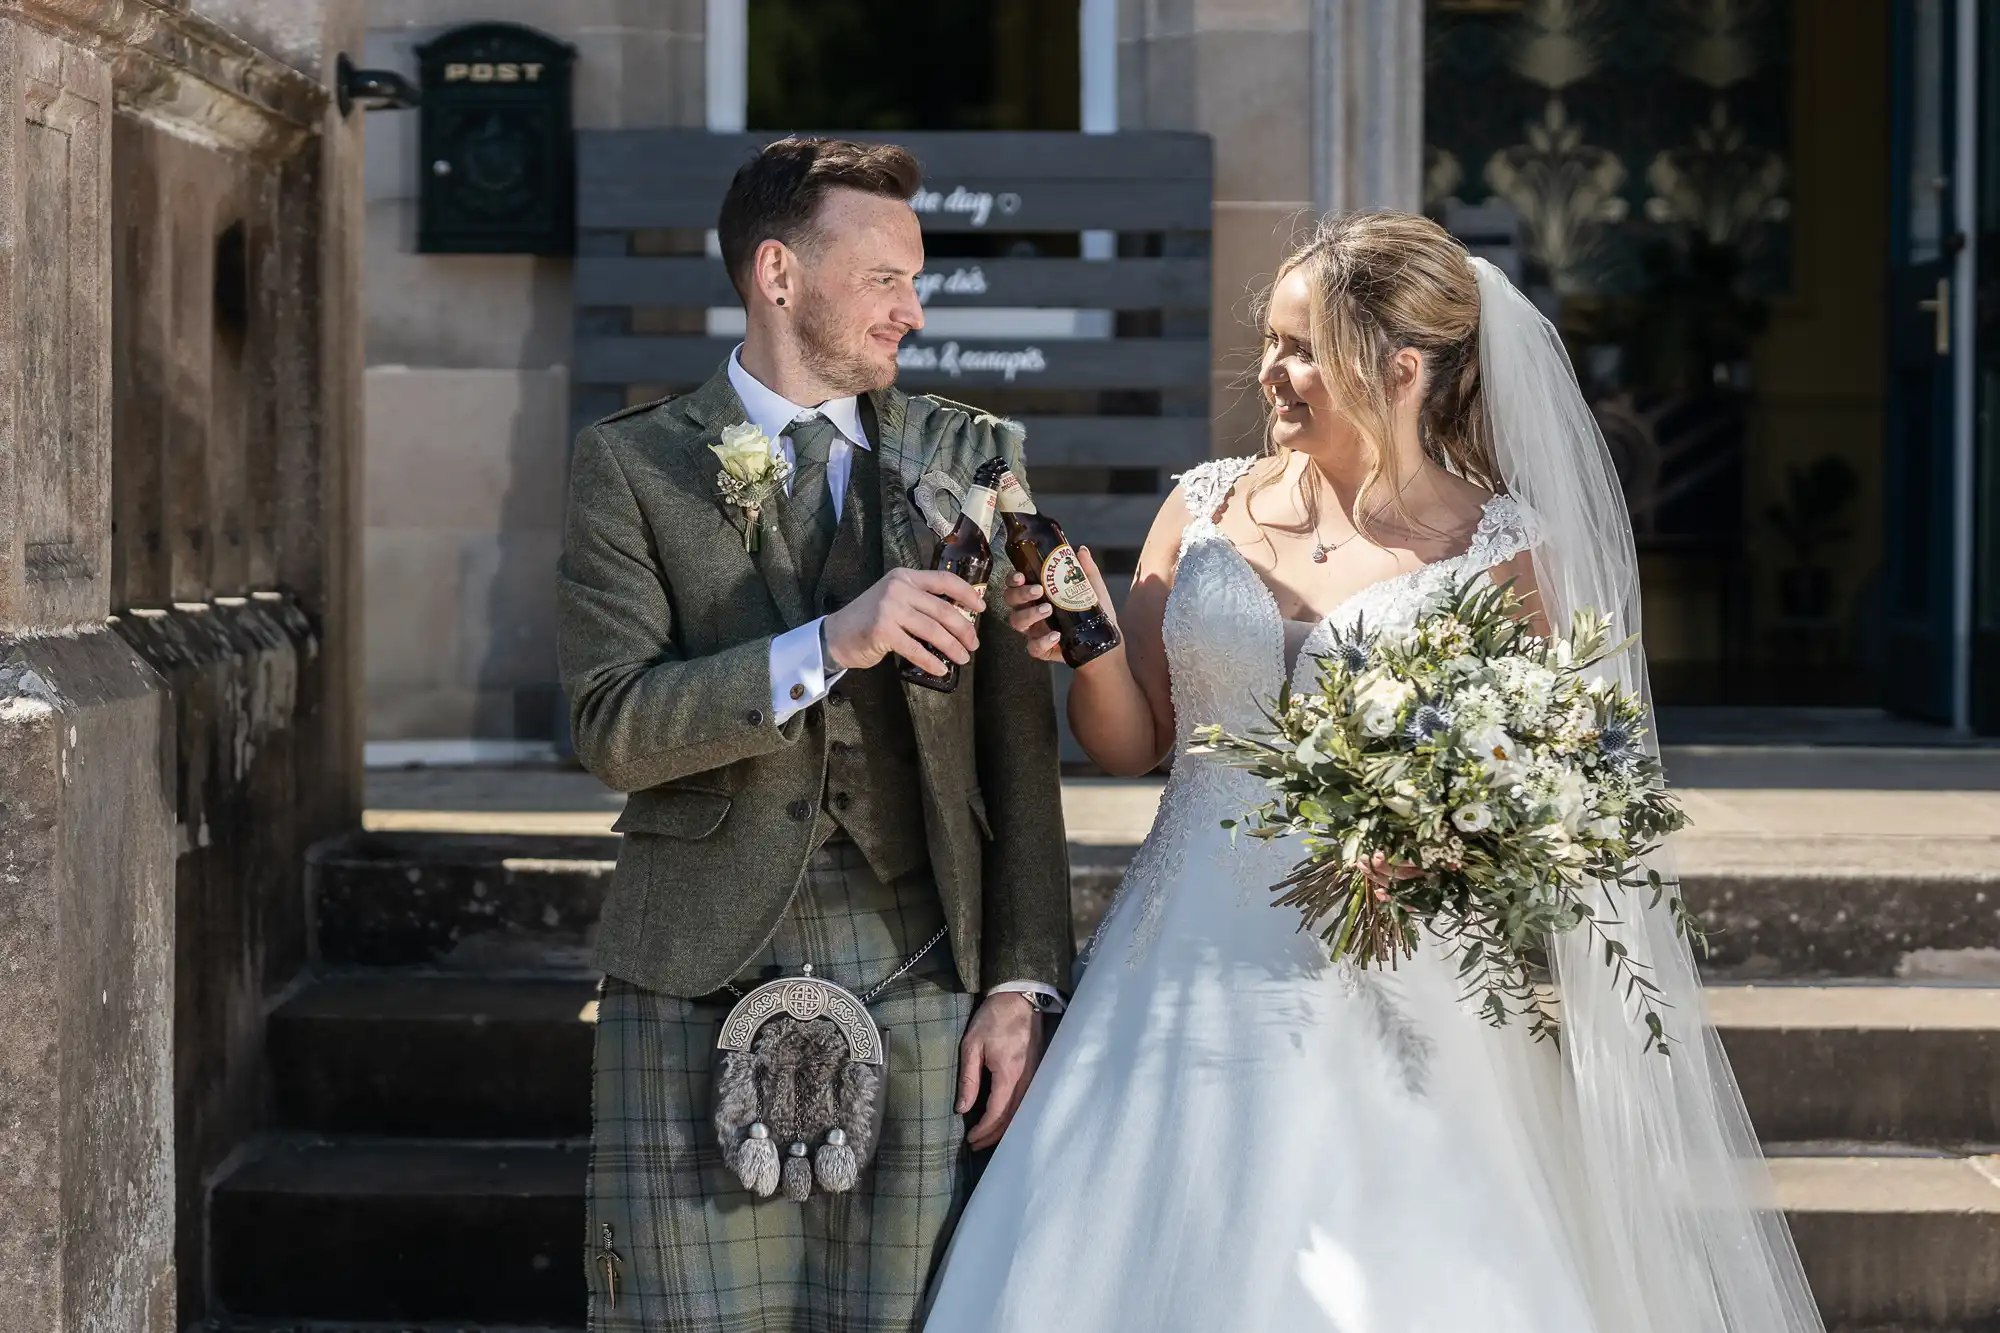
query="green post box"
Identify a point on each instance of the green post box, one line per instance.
(497, 154)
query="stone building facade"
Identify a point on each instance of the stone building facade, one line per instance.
(179, 666)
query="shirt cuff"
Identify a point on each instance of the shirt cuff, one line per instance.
(799, 678)
(1046, 999)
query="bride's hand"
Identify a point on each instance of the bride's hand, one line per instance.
(1382, 872)
(1028, 610)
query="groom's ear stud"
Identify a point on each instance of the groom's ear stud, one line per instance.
(781, 300)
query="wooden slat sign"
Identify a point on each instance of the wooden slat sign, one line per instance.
(1113, 410)
(1118, 412)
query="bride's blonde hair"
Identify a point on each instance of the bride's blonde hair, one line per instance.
(1380, 282)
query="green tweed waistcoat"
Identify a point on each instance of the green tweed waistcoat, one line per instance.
(665, 633)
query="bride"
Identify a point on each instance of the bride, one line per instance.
(1227, 1132)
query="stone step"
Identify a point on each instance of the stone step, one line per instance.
(530, 901)
(1905, 1063)
(458, 1233)
(455, 1056)
(400, 1232)
(436, 1056)
(1806, 921)
(1896, 1241)
(493, 902)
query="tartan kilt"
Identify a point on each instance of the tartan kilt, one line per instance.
(695, 1251)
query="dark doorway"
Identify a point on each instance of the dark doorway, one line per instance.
(887, 65)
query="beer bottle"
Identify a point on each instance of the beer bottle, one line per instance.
(966, 553)
(1036, 545)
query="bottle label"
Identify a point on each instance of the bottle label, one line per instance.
(1064, 581)
(1014, 496)
(980, 501)
(972, 617)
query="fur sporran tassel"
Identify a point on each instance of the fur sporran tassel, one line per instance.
(756, 1163)
(834, 1164)
(798, 1174)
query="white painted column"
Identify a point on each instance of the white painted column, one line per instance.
(726, 61)
(1097, 48)
(1368, 104)
(726, 46)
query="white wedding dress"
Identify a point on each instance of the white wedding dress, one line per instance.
(1228, 1133)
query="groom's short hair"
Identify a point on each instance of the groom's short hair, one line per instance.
(776, 195)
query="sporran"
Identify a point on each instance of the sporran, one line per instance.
(799, 1084)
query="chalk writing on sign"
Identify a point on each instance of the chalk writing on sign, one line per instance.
(953, 360)
(959, 282)
(978, 205)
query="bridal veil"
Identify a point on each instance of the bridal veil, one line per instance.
(1688, 1236)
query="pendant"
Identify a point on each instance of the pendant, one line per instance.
(1319, 554)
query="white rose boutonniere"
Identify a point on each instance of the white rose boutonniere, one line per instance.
(753, 474)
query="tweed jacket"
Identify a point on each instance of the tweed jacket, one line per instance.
(665, 635)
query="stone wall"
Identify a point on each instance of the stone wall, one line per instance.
(179, 365)
(468, 416)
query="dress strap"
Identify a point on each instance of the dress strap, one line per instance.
(1506, 528)
(1206, 485)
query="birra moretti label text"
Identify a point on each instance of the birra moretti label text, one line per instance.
(1064, 581)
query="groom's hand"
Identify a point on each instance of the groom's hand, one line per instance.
(919, 613)
(1005, 1041)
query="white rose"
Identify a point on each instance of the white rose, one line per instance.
(1402, 799)
(1570, 795)
(1379, 699)
(1312, 750)
(1554, 836)
(745, 451)
(1607, 829)
(1474, 818)
(1378, 691)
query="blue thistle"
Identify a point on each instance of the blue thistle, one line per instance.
(1350, 651)
(1425, 722)
(1617, 746)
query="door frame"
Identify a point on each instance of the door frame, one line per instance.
(1930, 433)
(1965, 365)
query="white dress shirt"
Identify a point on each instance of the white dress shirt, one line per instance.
(796, 658)
(795, 654)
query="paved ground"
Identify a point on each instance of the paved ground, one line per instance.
(1839, 810)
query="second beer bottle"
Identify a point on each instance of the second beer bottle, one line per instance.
(965, 552)
(1036, 545)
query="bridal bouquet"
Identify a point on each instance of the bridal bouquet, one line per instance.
(1499, 780)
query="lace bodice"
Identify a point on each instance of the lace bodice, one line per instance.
(1223, 631)
(1225, 644)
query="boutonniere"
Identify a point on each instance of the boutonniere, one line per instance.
(753, 474)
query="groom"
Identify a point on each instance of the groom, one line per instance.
(793, 801)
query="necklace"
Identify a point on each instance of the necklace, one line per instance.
(1321, 550)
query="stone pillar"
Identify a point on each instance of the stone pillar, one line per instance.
(1240, 71)
(86, 801)
(233, 473)
(1368, 104)
(1313, 105)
